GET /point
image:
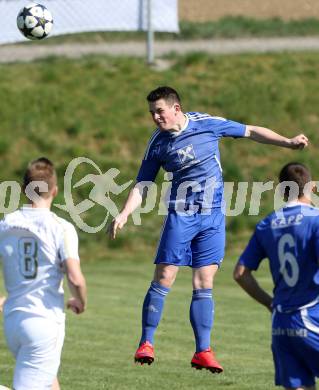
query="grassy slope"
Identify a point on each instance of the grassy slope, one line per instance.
(95, 107)
(227, 27)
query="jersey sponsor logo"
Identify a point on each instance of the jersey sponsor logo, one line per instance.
(285, 221)
(186, 154)
(290, 332)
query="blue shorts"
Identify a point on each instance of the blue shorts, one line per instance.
(295, 347)
(195, 240)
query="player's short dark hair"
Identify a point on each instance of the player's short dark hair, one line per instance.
(41, 169)
(167, 93)
(295, 172)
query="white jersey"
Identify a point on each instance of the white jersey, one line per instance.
(34, 242)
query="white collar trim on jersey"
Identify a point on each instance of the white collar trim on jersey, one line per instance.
(177, 133)
(34, 209)
(294, 203)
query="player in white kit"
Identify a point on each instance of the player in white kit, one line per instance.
(2, 300)
(37, 248)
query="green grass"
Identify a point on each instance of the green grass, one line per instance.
(234, 27)
(95, 107)
(227, 27)
(99, 346)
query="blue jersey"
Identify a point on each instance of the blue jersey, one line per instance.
(289, 238)
(192, 157)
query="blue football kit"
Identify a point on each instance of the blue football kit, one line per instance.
(289, 238)
(193, 232)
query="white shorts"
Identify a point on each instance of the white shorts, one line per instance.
(36, 343)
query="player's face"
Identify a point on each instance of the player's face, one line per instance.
(164, 114)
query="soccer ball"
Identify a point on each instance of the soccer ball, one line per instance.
(35, 21)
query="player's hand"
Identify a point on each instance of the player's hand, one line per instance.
(270, 306)
(116, 224)
(75, 305)
(2, 300)
(299, 142)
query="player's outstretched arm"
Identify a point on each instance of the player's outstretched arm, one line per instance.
(267, 136)
(77, 286)
(246, 280)
(134, 200)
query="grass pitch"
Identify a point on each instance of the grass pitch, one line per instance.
(100, 345)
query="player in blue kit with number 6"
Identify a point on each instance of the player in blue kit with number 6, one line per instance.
(289, 238)
(193, 234)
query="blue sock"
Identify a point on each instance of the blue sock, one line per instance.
(202, 317)
(152, 310)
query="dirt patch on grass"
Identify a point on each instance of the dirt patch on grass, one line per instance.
(205, 10)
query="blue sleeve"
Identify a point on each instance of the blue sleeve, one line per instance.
(151, 163)
(148, 170)
(253, 254)
(317, 239)
(227, 128)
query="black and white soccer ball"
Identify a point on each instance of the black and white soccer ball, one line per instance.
(35, 21)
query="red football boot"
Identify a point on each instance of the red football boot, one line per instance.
(144, 353)
(206, 359)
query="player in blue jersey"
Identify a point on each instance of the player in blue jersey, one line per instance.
(289, 238)
(193, 234)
